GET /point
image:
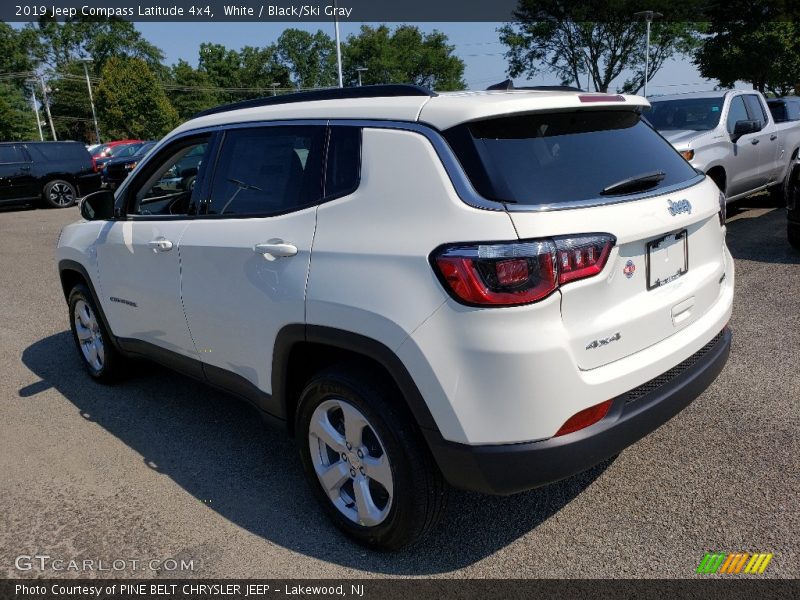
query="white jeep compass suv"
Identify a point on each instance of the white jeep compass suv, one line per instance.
(494, 290)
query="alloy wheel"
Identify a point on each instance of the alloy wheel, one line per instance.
(90, 338)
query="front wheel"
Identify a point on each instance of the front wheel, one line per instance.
(366, 463)
(91, 337)
(59, 194)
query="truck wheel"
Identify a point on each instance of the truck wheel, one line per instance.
(93, 341)
(59, 194)
(366, 463)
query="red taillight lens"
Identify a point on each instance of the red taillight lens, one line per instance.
(94, 164)
(586, 417)
(580, 257)
(513, 273)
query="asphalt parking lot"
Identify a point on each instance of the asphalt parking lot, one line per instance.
(162, 467)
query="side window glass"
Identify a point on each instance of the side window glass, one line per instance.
(268, 170)
(755, 109)
(343, 166)
(793, 110)
(10, 154)
(737, 112)
(169, 189)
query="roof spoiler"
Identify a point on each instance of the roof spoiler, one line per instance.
(508, 84)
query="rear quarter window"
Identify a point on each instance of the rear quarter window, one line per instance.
(564, 157)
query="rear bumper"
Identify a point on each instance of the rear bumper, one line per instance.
(510, 468)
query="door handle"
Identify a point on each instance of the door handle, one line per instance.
(160, 245)
(275, 249)
(773, 137)
(754, 141)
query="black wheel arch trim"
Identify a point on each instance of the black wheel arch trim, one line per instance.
(290, 335)
(65, 265)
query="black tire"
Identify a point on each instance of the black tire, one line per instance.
(793, 233)
(111, 367)
(187, 183)
(419, 490)
(59, 194)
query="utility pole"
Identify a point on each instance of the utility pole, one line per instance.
(36, 108)
(359, 70)
(47, 108)
(648, 16)
(91, 101)
(338, 44)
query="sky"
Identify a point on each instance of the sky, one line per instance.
(475, 43)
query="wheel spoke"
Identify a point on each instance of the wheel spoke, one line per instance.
(82, 332)
(368, 513)
(322, 429)
(378, 469)
(354, 423)
(101, 352)
(333, 478)
(92, 354)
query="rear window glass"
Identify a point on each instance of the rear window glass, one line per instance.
(553, 158)
(694, 114)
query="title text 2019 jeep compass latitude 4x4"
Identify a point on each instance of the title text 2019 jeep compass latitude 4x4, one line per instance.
(490, 289)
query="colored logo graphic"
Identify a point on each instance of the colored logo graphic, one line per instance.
(629, 269)
(734, 562)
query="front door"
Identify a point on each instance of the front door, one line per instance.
(139, 260)
(16, 178)
(743, 172)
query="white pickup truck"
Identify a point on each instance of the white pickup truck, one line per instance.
(731, 136)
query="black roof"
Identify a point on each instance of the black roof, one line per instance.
(366, 91)
(508, 84)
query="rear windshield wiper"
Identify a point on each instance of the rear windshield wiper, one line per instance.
(633, 184)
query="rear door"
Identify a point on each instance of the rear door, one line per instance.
(578, 175)
(245, 259)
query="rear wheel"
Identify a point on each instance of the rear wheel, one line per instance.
(92, 339)
(59, 194)
(793, 232)
(366, 463)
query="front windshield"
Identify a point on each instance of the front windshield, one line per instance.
(145, 149)
(694, 114)
(123, 151)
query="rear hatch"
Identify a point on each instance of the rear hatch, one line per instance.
(572, 175)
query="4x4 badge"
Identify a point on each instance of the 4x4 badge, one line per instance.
(681, 206)
(603, 341)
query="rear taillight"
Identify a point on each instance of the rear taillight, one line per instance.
(522, 272)
(94, 164)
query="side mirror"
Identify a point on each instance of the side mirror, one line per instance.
(98, 206)
(743, 128)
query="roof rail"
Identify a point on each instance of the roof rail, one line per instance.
(366, 91)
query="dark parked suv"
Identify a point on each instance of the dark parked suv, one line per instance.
(57, 173)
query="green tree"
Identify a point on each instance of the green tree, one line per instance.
(310, 57)
(190, 90)
(248, 73)
(100, 39)
(19, 50)
(17, 121)
(405, 55)
(754, 49)
(131, 101)
(598, 37)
